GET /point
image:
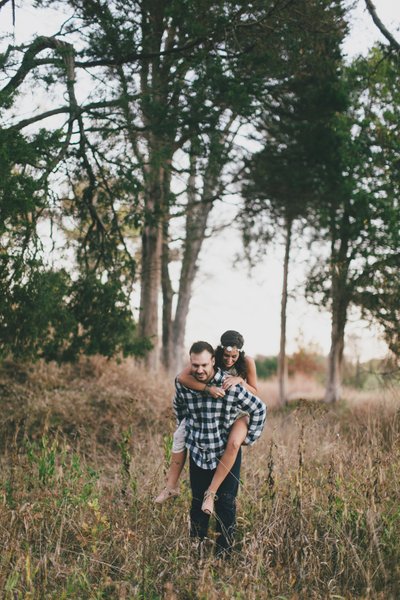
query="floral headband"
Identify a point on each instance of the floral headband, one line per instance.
(229, 348)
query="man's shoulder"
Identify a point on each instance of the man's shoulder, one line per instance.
(179, 386)
(180, 389)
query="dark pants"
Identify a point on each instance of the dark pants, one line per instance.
(225, 505)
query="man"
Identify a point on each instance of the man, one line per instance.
(208, 422)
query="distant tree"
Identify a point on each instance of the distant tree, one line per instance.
(285, 178)
(360, 210)
(378, 286)
(308, 362)
(266, 366)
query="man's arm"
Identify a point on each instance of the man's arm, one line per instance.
(257, 413)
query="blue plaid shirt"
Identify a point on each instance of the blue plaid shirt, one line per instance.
(208, 419)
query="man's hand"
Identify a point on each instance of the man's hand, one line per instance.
(230, 381)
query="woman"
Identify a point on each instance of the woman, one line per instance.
(240, 369)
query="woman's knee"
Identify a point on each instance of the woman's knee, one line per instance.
(234, 443)
(238, 434)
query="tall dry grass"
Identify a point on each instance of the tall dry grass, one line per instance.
(83, 453)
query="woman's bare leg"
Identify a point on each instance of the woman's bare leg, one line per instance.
(175, 469)
(236, 438)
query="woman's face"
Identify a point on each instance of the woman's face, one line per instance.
(229, 357)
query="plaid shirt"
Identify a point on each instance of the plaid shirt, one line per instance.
(208, 419)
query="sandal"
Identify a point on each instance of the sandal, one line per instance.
(208, 502)
(166, 494)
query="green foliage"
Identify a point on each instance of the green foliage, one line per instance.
(104, 318)
(168, 443)
(47, 311)
(44, 314)
(266, 366)
(18, 189)
(284, 180)
(44, 457)
(360, 217)
(34, 316)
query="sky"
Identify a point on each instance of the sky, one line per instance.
(227, 294)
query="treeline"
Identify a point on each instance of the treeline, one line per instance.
(149, 114)
(311, 364)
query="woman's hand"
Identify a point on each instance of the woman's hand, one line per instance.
(216, 392)
(230, 381)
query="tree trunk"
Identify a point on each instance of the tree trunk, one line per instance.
(156, 217)
(333, 391)
(340, 302)
(149, 290)
(197, 214)
(155, 162)
(282, 360)
(166, 285)
(192, 249)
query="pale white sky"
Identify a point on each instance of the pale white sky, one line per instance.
(231, 297)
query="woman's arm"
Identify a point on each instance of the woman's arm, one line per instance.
(186, 378)
(251, 379)
(250, 383)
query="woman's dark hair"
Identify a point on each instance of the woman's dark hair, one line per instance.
(232, 338)
(240, 364)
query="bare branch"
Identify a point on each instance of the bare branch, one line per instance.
(28, 62)
(372, 11)
(87, 108)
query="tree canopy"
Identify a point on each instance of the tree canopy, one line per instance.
(120, 133)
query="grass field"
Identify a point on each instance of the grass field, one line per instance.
(83, 452)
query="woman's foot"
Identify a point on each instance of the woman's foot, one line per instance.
(166, 494)
(208, 502)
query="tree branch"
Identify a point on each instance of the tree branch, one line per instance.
(65, 109)
(3, 3)
(372, 11)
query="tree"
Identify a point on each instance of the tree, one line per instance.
(43, 310)
(285, 178)
(377, 288)
(176, 92)
(360, 213)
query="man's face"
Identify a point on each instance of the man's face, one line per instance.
(202, 365)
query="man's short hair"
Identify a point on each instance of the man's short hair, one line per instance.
(199, 347)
